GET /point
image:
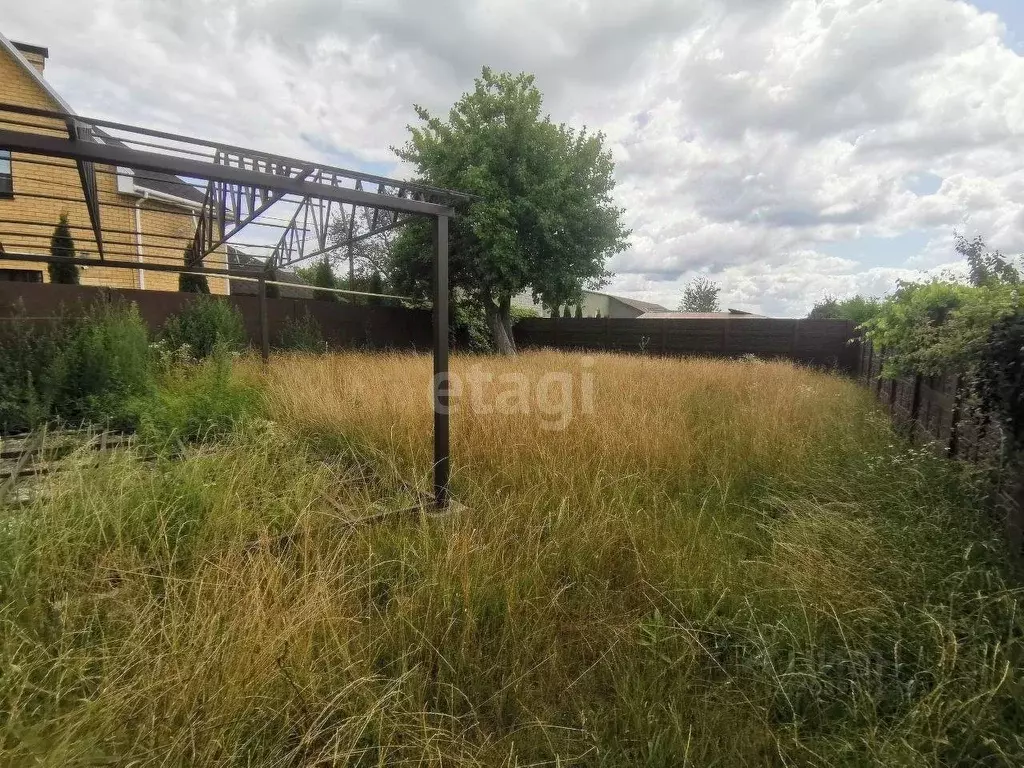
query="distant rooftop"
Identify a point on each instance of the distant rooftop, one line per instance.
(643, 306)
(729, 313)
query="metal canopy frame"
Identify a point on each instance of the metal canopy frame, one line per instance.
(226, 190)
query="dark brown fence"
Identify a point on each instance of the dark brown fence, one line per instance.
(813, 342)
(934, 410)
(342, 325)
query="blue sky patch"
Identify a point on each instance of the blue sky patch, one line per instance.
(873, 251)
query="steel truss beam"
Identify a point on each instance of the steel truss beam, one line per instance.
(241, 185)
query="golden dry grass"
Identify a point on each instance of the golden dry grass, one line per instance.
(724, 563)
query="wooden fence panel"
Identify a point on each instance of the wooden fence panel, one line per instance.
(815, 342)
(935, 412)
(342, 325)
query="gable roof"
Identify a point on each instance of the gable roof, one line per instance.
(161, 183)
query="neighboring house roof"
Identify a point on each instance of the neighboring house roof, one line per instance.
(165, 185)
(162, 184)
(732, 313)
(241, 259)
(643, 306)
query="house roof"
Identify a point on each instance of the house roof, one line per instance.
(162, 183)
(19, 57)
(643, 306)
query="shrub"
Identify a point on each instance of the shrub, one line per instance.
(62, 246)
(939, 327)
(204, 324)
(521, 313)
(301, 334)
(75, 369)
(204, 401)
(28, 353)
(105, 364)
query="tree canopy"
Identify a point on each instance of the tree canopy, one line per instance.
(543, 217)
(700, 295)
(858, 309)
(942, 326)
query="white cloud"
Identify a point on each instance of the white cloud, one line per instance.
(749, 134)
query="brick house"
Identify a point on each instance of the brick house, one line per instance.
(147, 217)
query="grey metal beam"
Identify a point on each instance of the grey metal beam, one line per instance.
(146, 266)
(242, 220)
(38, 144)
(442, 457)
(229, 149)
(339, 246)
(77, 132)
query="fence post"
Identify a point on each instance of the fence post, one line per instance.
(915, 406)
(264, 328)
(607, 334)
(866, 372)
(881, 364)
(954, 421)
(725, 337)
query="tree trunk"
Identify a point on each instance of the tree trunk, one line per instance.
(500, 321)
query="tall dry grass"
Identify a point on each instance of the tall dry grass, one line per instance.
(723, 564)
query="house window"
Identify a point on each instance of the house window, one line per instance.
(6, 181)
(20, 276)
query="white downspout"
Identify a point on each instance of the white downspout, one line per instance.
(138, 236)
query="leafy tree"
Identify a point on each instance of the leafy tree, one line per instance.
(701, 295)
(62, 247)
(543, 216)
(986, 268)
(598, 315)
(566, 312)
(375, 284)
(939, 326)
(857, 309)
(188, 282)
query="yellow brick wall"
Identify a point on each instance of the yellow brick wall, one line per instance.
(27, 220)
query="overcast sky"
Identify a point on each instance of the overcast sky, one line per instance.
(787, 148)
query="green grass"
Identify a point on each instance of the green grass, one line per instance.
(724, 564)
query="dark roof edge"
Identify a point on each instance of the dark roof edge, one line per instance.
(39, 50)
